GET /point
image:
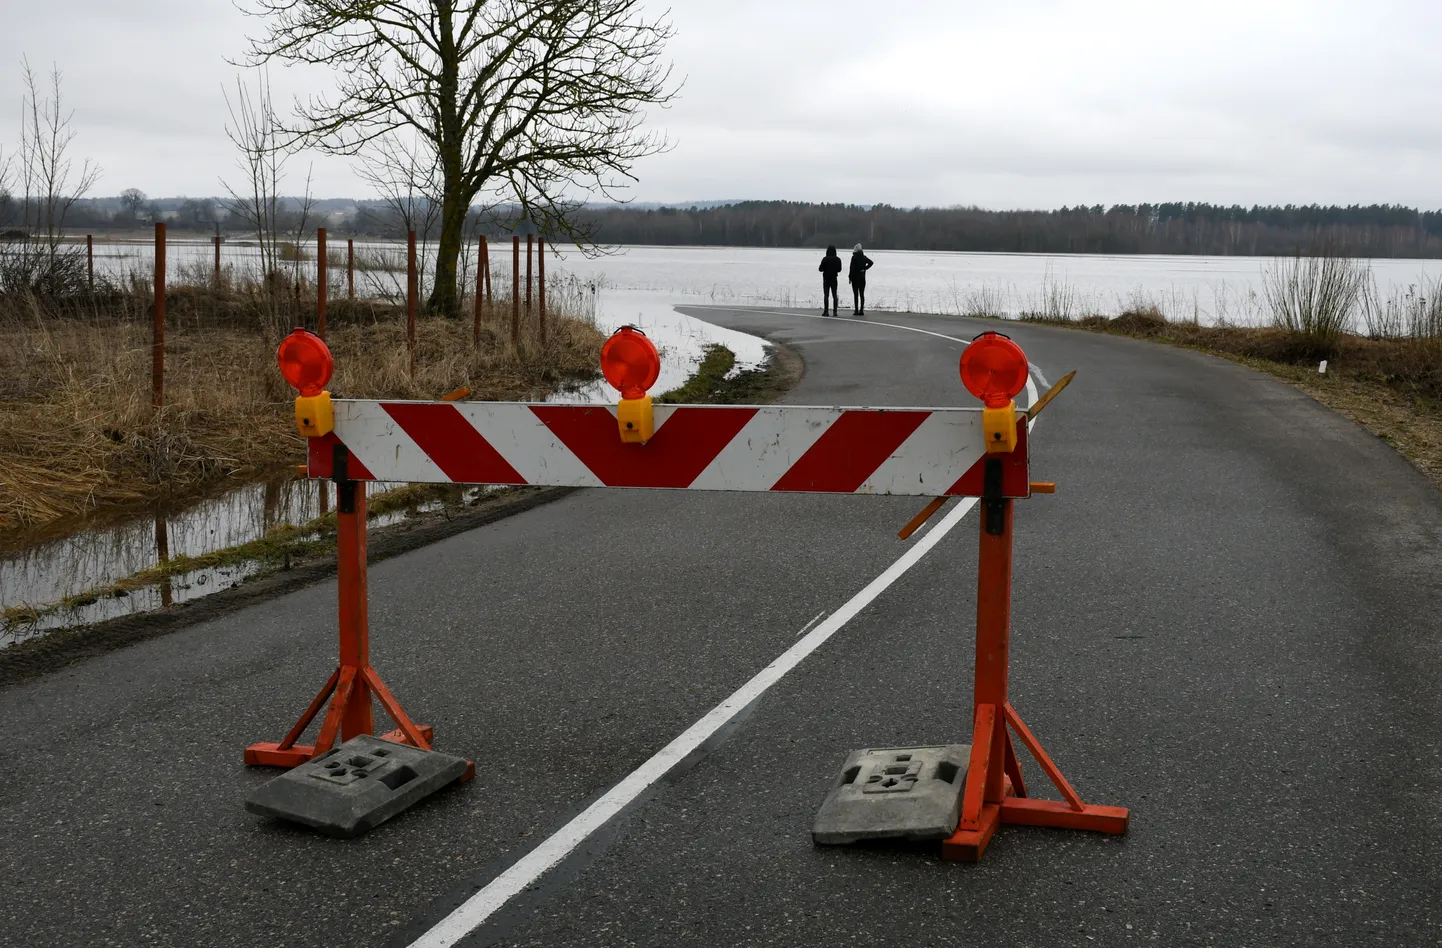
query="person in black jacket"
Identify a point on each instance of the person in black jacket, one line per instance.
(860, 263)
(830, 273)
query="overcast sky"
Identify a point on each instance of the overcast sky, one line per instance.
(999, 103)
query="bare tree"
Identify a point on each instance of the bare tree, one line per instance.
(528, 102)
(405, 176)
(262, 159)
(8, 207)
(49, 186)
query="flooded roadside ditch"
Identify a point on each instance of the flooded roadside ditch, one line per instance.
(177, 553)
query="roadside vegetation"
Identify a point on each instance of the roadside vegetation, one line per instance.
(290, 546)
(78, 434)
(1383, 352)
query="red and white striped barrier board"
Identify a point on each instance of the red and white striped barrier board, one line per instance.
(923, 452)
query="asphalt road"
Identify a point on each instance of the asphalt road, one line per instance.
(1226, 619)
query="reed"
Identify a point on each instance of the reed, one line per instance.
(78, 435)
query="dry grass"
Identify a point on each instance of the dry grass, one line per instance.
(78, 436)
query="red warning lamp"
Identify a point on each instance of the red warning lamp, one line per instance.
(994, 369)
(306, 362)
(630, 362)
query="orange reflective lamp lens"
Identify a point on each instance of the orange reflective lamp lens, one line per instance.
(305, 361)
(629, 361)
(994, 369)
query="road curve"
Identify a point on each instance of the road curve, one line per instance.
(1224, 619)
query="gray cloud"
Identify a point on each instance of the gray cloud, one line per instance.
(1023, 103)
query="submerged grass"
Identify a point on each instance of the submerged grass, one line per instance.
(78, 435)
(282, 547)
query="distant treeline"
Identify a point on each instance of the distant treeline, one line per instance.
(1377, 230)
(1371, 231)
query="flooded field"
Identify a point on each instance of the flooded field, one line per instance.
(1206, 289)
(638, 286)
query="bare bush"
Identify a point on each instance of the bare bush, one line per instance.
(1057, 301)
(49, 185)
(984, 302)
(1411, 313)
(1315, 297)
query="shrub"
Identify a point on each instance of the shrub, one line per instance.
(1313, 299)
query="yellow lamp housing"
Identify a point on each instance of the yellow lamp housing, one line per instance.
(998, 426)
(636, 419)
(314, 415)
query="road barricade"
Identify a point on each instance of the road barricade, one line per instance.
(931, 452)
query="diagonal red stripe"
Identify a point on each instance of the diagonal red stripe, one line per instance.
(453, 443)
(1015, 472)
(674, 457)
(321, 459)
(851, 450)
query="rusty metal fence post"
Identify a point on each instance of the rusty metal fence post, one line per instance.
(90, 262)
(157, 343)
(516, 293)
(541, 286)
(322, 282)
(350, 268)
(480, 286)
(411, 291)
(486, 262)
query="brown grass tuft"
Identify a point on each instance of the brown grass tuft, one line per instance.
(78, 436)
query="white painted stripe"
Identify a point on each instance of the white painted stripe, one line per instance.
(527, 444)
(939, 451)
(766, 448)
(530, 867)
(383, 446)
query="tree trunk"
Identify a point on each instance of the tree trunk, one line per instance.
(444, 299)
(455, 200)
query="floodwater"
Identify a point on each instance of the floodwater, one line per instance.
(1205, 289)
(638, 286)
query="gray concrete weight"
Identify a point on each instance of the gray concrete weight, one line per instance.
(357, 786)
(894, 793)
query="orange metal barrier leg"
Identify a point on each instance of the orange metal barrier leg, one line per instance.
(351, 685)
(995, 792)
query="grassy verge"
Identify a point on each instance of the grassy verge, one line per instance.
(711, 386)
(78, 437)
(1393, 388)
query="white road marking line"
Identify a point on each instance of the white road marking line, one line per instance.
(530, 867)
(805, 628)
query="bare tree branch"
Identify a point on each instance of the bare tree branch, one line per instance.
(527, 103)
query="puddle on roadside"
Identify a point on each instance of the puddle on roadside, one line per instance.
(98, 558)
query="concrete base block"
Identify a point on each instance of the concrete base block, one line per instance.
(894, 793)
(357, 786)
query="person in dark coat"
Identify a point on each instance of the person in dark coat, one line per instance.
(860, 263)
(830, 274)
